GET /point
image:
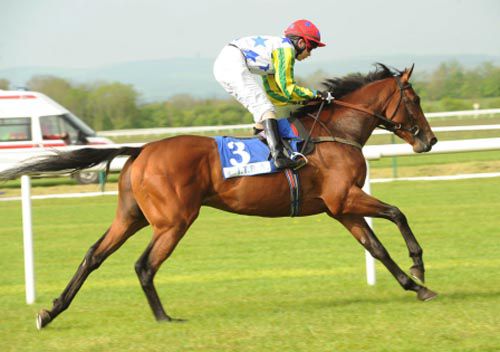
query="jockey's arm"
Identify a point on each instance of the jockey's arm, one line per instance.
(284, 82)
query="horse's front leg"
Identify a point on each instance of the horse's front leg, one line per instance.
(357, 225)
(360, 203)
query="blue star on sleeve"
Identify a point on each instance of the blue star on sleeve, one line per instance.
(259, 41)
(264, 68)
(250, 55)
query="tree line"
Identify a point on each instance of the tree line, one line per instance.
(114, 105)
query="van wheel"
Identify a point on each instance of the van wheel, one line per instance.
(87, 177)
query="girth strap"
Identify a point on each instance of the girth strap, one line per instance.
(294, 184)
(336, 139)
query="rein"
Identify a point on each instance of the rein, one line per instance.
(329, 138)
(385, 123)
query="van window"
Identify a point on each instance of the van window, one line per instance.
(56, 127)
(79, 124)
(15, 129)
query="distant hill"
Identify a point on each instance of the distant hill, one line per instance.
(161, 79)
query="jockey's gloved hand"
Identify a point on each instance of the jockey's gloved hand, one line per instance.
(325, 96)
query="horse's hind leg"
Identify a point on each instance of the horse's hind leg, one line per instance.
(129, 220)
(170, 215)
(357, 225)
(164, 241)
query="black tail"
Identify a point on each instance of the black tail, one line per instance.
(68, 162)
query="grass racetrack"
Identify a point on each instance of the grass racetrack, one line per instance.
(255, 284)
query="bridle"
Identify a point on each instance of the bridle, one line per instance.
(384, 122)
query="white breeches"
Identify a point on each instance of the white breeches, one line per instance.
(231, 71)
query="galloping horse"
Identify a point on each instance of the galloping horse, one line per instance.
(164, 183)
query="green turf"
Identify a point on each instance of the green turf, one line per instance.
(252, 284)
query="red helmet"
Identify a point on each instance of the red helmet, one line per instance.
(307, 30)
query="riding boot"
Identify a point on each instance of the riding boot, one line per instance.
(280, 160)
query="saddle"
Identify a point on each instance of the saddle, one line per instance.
(300, 136)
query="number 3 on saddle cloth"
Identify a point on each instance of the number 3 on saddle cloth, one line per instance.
(251, 156)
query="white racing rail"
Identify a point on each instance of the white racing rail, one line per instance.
(198, 129)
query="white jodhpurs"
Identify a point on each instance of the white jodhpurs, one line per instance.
(231, 71)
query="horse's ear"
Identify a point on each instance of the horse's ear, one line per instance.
(407, 73)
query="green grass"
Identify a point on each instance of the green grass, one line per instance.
(255, 284)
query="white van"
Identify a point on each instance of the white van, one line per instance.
(33, 120)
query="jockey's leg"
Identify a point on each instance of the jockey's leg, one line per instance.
(280, 160)
(231, 71)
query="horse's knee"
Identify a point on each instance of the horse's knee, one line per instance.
(396, 215)
(91, 261)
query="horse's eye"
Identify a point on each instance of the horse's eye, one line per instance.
(416, 100)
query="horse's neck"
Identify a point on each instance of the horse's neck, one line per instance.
(356, 125)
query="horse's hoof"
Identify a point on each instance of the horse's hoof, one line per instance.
(424, 294)
(42, 319)
(418, 273)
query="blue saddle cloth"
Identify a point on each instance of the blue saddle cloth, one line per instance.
(250, 156)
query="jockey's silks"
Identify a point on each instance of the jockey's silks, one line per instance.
(273, 58)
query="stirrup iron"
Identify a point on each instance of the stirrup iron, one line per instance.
(303, 161)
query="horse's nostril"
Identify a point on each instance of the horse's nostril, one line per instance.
(434, 140)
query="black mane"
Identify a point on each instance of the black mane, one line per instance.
(345, 85)
(340, 87)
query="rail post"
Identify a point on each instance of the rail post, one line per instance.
(370, 261)
(29, 271)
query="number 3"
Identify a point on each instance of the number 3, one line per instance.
(240, 150)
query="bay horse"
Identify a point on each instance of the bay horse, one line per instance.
(164, 183)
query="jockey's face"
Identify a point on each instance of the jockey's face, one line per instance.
(304, 55)
(306, 52)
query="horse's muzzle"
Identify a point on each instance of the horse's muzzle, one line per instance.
(422, 146)
(428, 146)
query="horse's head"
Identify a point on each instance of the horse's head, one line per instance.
(404, 109)
(384, 94)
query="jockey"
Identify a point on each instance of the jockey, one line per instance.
(273, 58)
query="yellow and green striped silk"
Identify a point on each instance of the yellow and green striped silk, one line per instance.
(281, 87)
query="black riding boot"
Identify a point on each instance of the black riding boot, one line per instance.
(280, 160)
